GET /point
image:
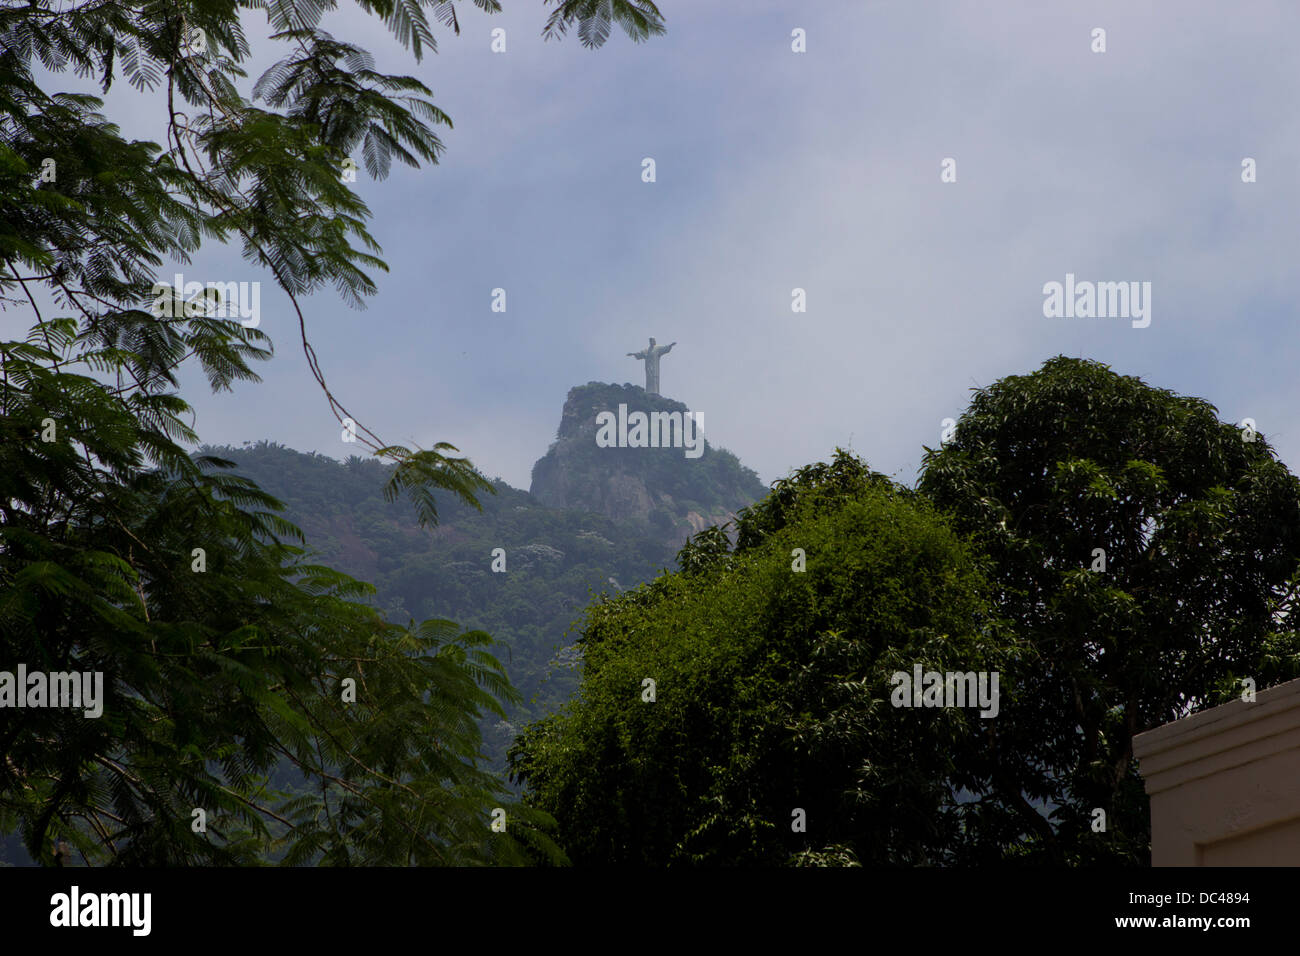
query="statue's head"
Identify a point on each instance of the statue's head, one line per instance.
(652, 341)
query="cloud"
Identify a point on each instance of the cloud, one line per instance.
(820, 171)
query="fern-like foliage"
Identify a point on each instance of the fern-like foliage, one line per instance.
(640, 19)
(223, 649)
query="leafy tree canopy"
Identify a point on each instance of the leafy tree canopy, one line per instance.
(773, 691)
(1148, 554)
(223, 653)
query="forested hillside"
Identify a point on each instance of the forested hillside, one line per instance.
(556, 563)
(557, 560)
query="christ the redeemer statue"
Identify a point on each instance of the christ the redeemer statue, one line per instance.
(651, 358)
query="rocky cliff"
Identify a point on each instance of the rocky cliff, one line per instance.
(651, 476)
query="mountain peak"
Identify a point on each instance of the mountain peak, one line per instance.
(601, 463)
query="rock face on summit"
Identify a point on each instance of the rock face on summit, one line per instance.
(673, 495)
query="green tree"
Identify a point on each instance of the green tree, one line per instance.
(1148, 554)
(773, 691)
(224, 654)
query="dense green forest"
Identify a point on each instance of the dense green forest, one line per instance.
(556, 563)
(1113, 552)
(551, 562)
(225, 658)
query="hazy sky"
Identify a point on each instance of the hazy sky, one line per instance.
(818, 170)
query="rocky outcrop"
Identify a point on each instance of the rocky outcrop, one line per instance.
(669, 493)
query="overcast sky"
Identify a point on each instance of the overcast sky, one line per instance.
(819, 170)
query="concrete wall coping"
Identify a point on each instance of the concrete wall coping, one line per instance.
(1220, 738)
